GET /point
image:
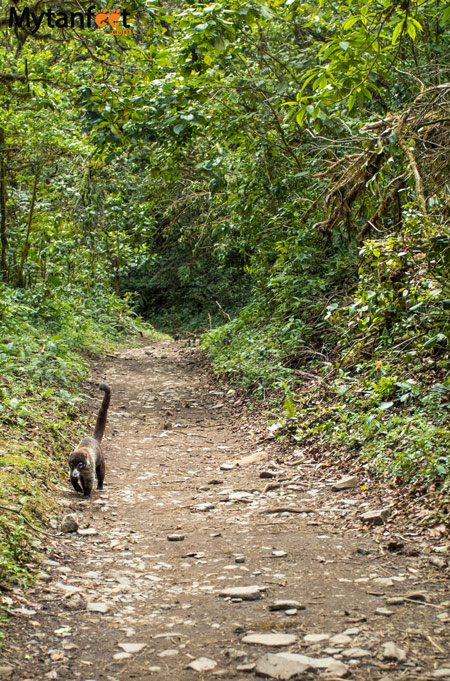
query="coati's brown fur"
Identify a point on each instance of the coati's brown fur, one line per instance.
(87, 461)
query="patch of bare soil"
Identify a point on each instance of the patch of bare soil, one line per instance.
(212, 554)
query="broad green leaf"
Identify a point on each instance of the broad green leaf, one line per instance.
(385, 405)
(351, 21)
(411, 29)
(300, 117)
(398, 29)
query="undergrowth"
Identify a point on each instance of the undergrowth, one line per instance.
(366, 370)
(46, 338)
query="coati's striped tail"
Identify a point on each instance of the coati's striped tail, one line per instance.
(101, 418)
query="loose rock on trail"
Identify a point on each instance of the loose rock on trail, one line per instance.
(209, 555)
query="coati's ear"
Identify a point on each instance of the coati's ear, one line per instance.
(76, 458)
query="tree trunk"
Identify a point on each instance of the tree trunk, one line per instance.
(3, 199)
(26, 246)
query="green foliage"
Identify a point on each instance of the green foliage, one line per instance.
(401, 295)
(250, 350)
(45, 336)
(410, 442)
(382, 384)
(188, 287)
(281, 166)
(72, 225)
(15, 550)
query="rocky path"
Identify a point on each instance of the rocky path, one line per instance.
(207, 556)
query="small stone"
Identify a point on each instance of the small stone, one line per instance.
(240, 495)
(203, 507)
(291, 612)
(348, 482)
(270, 639)
(25, 611)
(377, 517)
(396, 600)
(268, 474)
(88, 532)
(227, 467)
(383, 581)
(239, 559)
(355, 653)
(437, 562)
(63, 631)
(70, 523)
(340, 640)
(417, 596)
(196, 554)
(121, 656)
(170, 652)
(132, 647)
(97, 606)
(277, 667)
(247, 667)
(234, 654)
(202, 664)
(384, 611)
(286, 605)
(247, 593)
(316, 638)
(67, 588)
(175, 537)
(68, 645)
(279, 554)
(336, 669)
(443, 673)
(290, 665)
(75, 601)
(392, 652)
(6, 671)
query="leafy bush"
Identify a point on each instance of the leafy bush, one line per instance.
(45, 336)
(376, 361)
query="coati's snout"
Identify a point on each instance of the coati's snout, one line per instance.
(77, 463)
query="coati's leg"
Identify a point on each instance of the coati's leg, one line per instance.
(100, 473)
(87, 486)
(76, 485)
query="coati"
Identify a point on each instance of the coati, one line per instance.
(87, 460)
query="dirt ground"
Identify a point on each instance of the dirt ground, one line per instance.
(197, 500)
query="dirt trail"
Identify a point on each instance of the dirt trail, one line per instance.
(127, 581)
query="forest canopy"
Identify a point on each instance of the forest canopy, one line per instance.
(275, 174)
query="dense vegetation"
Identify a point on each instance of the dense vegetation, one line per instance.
(276, 172)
